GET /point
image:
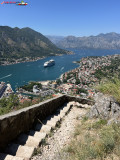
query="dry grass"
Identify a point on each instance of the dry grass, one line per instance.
(111, 88)
(94, 140)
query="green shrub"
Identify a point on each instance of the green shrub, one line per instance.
(99, 124)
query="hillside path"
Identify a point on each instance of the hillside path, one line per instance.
(61, 137)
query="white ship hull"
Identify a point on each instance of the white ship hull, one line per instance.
(49, 63)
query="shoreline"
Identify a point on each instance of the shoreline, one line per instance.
(22, 62)
(75, 62)
(38, 58)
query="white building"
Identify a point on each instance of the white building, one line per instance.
(35, 89)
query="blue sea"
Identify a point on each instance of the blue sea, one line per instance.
(20, 74)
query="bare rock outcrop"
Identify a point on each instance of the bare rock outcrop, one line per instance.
(105, 107)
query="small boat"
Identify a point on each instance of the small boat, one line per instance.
(49, 63)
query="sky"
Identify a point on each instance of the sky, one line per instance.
(64, 17)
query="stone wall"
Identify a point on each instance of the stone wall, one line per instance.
(80, 100)
(14, 123)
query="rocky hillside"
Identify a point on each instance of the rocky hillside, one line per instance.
(101, 41)
(18, 43)
(105, 107)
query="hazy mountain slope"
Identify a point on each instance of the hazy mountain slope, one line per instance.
(55, 39)
(101, 41)
(17, 43)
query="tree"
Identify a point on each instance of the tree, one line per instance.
(3, 102)
(58, 81)
(13, 100)
(64, 81)
(82, 90)
(77, 81)
(29, 87)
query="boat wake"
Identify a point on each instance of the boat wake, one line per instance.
(62, 68)
(6, 76)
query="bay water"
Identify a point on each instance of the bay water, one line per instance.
(20, 74)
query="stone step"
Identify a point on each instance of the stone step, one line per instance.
(58, 118)
(46, 129)
(5, 156)
(38, 135)
(43, 128)
(60, 110)
(9, 157)
(52, 123)
(62, 114)
(33, 139)
(71, 103)
(20, 151)
(80, 105)
(28, 140)
(66, 109)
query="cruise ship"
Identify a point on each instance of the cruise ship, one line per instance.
(49, 63)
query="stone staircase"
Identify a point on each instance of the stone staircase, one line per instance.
(25, 145)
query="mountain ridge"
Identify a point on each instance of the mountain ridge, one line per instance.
(18, 43)
(101, 41)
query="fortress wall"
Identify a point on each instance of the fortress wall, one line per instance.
(21, 121)
(14, 123)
